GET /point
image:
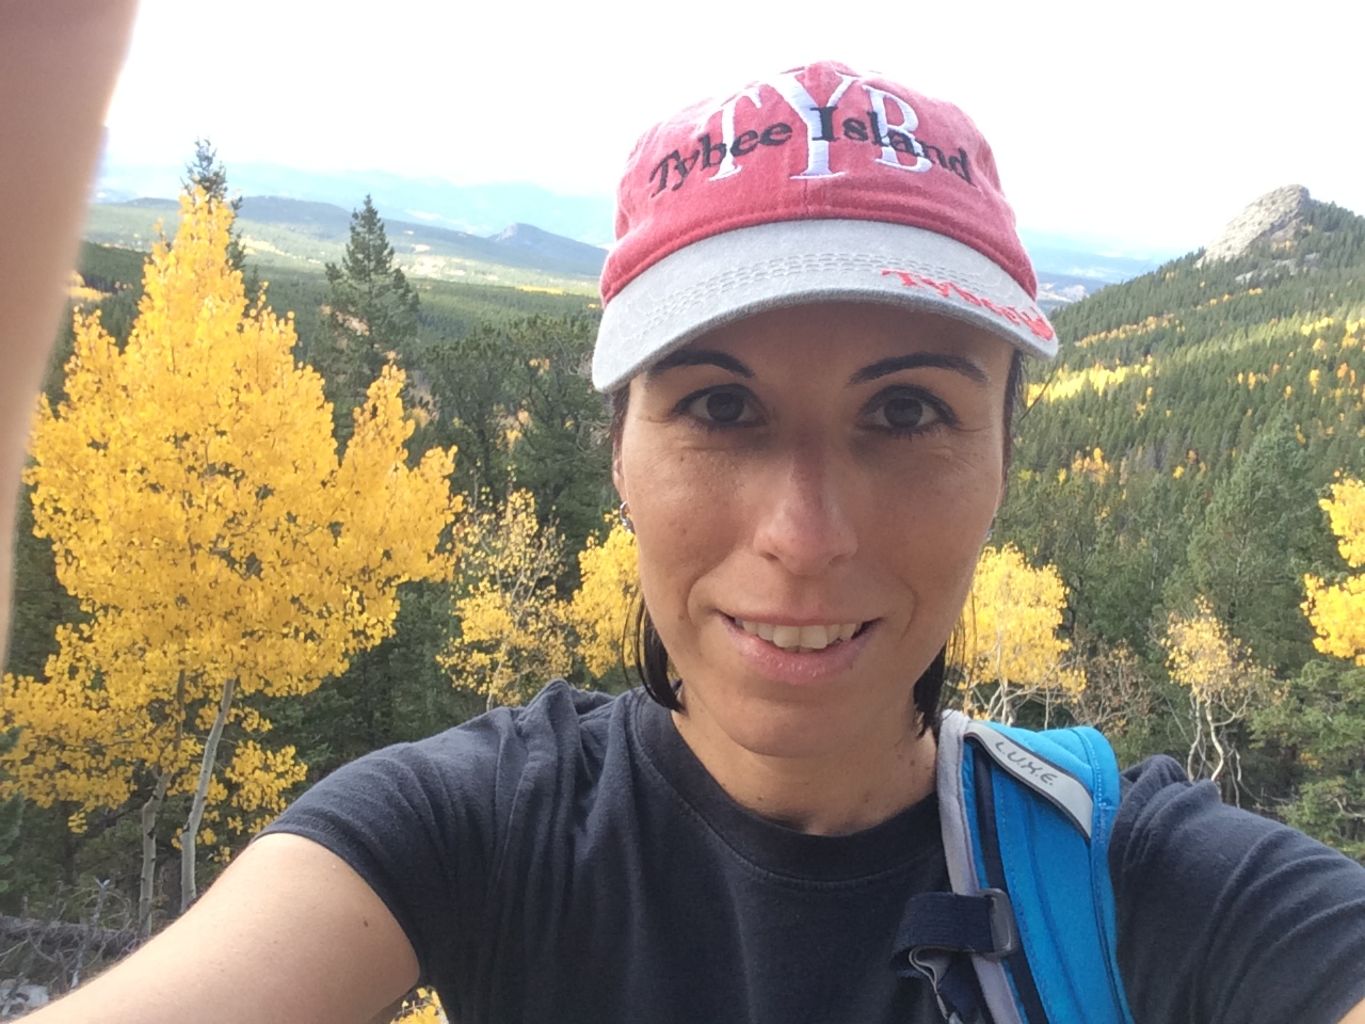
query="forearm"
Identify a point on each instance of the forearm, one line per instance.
(289, 934)
(58, 63)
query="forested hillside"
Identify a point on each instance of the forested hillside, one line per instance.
(1167, 563)
(1174, 461)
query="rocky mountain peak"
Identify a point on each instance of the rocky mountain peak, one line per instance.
(1274, 218)
(520, 233)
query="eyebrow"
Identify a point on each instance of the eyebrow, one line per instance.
(882, 367)
(699, 357)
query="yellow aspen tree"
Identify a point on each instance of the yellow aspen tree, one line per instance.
(1010, 647)
(1222, 681)
(512, 636)
(221, 550)
(1337, 611)
(600, 608)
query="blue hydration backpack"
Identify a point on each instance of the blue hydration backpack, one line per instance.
(1028, 929)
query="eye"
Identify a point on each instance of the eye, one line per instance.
(720, 407)
(906, 411)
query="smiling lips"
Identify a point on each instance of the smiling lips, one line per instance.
(800, 639)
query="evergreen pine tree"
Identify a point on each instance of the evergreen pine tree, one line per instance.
(371, 314)
(1261, 531)
(561, 456)
(206, 171)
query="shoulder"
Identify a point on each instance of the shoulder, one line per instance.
(1174, 834)
(559, 718)
(1217, 906)
(428, 825)
(481, 763)
(1167, 820)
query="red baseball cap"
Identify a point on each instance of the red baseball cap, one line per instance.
(818, 183)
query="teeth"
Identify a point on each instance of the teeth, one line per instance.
(800, 638)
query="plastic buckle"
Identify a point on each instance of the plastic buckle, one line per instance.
(933, 968)
(1004, 932)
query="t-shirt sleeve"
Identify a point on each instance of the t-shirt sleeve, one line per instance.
(418, 821)
(1225, 917)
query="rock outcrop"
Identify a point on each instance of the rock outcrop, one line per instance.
(1275, 218)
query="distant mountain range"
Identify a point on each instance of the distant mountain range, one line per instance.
(279, 231)
(500, 233)
(473, 209)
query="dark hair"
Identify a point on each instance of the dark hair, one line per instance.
(647, 659)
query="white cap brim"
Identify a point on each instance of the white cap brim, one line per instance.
(738, 273)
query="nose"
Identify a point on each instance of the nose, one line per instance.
(804, 517)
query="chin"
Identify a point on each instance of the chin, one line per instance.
(803, 730)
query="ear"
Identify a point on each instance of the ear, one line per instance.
(618, 477)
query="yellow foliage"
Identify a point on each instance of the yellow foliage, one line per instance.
(1228, 297)
(1337, 611)
(1009, 633)
(1092, 466)
(1222, 680)
(198, 510)
(1316, 326)
(1128, 330)
(78, 291)
(1070, 383)
(513, 634)
(599, 610)
(1201, 656)
(423, 1008)
(262, 777)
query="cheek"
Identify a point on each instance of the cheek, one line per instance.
(932, 528)
(684, 524)
(959, 495)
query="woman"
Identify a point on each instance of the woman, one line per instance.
(812, 330)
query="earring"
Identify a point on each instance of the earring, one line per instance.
(624, 513)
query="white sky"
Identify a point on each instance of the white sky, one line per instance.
(1146, 124)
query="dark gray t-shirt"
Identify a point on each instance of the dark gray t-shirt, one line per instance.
(572, 861)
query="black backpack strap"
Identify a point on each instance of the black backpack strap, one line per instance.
(937, 932)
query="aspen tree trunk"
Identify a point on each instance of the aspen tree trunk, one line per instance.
(151, 810)
(1196, 744)
(188, 892)
(147, 880)
(1216, 741)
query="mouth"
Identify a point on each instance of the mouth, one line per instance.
(805, 639)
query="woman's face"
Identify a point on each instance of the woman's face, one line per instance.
(811, 488)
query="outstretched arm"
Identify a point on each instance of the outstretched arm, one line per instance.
(58, 62)
(289, 933)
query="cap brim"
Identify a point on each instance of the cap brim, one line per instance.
(738, 273)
